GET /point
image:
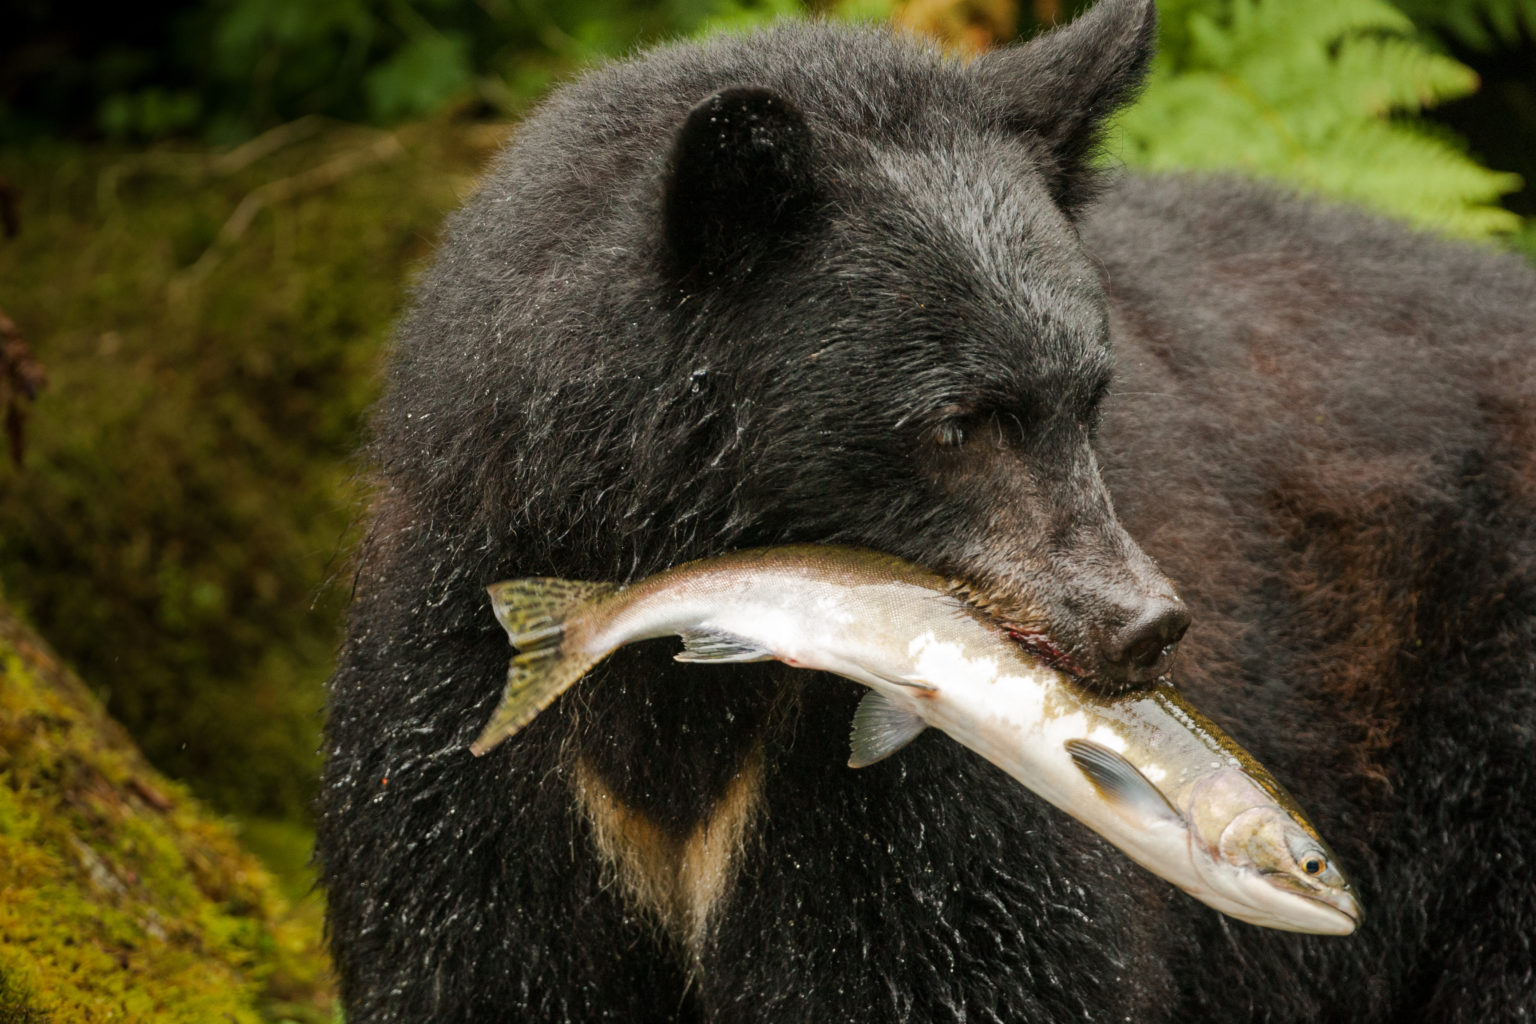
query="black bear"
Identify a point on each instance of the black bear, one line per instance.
(822, 284)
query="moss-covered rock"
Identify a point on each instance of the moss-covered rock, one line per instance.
(121, 898)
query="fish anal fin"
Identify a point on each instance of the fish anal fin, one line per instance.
(880, 728)
(710, 645)
(1120, 782)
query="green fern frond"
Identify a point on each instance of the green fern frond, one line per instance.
(1383, 74)
(1416, 174)
(1207, 33)
(1268, 28)
(1480, 24)
(1313, 92)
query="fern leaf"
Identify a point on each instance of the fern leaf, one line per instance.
(1417, 175)
(1480, 24)
(1313, 92)
(1389, 73)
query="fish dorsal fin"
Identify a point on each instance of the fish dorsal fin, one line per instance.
(713, 645)
(533, 611)
(1120, 782)
(880, 728)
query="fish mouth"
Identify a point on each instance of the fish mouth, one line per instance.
(1340, 903)
(1290, 909)
(1344, 902)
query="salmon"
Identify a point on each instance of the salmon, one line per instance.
(1144, 769)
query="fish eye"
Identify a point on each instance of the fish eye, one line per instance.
(1310, 858)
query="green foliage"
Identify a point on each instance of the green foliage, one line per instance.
(862, 10)
(1525, 240)
(227, 69)
(181, 526)
(18, 1003)
(387, 61)
(149, 113)
(733, 16)
(421, 77)
(1317, 93)
(1479, 24)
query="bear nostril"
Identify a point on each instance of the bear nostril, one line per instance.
(1144, 653)
(1142, 649)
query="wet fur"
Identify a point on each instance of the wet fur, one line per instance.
(679, 880)
(1321, 426)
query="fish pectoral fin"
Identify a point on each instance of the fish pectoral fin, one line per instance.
(713, 645)
(1120, 782)
(880, 728)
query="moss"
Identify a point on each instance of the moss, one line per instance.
(180, 528)
(17, 1003)
(123, 899)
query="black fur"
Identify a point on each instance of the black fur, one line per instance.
(1323, 426)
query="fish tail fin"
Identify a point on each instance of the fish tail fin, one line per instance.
(534, 614)
(534, 679)
(533, 611)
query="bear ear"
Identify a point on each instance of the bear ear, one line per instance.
(739, 182)
(1061, 87)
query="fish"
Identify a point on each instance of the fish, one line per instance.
(1144, 769)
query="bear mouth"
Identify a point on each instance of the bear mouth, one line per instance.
(1032, 638)
(1040, 645)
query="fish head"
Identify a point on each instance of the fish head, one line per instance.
(1270, 865)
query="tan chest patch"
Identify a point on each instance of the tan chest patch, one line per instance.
(679, 881)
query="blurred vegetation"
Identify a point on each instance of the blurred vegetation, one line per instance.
(223, 70)
(221, 203)
(211, 324)
(1479, 25)
(123, 900)
(1313, 92)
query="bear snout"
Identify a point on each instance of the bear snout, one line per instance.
(1142, 649)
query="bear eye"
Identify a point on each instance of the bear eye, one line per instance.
(952, 424)
(949, 434)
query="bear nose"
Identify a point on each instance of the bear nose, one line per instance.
(1142, 650)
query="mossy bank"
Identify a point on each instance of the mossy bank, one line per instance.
(121, 897)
